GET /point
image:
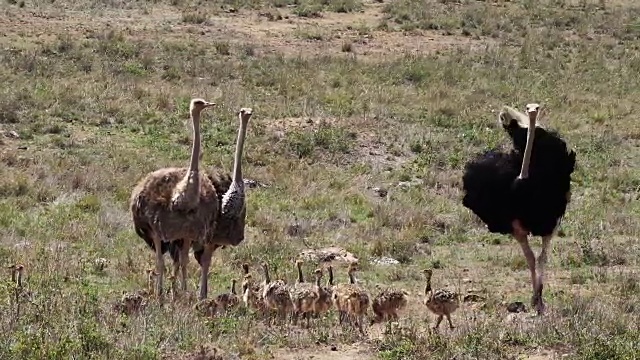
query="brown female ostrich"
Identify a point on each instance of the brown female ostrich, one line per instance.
(177, 204)
(231, 200)
(525, 191)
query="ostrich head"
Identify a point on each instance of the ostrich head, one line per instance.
(197, 105)
(428, 273)
(516, 124)
(245, 113)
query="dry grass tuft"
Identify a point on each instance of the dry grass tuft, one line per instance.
(365, 113)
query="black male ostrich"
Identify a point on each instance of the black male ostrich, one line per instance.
(524, 191)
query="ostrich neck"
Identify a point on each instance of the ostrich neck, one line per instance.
(300, 277)
(195, 151)
(233, 287)
(267, 279)
(427, 288)
(330, 280)
(318, 279)
(352, 279)
(526, 158)
(237, 160)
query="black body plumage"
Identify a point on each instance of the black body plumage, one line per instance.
(495, 194)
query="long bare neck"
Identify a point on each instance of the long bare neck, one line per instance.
(19, 278)
(318, 278)
(526, 158)
(330, 279)
(427, 288)
(267, 279)
(237, 160)
(352, 278)
(300, 277)
(195, 150)
(233, 287)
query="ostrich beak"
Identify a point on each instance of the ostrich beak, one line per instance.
(209, 104)
(533, 108)
(533, 111)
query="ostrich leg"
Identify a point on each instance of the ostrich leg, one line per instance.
(531, 262)
(159, 268)
(205, 262)
(184, 260)
(542, 261)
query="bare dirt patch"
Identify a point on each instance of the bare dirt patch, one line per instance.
(346, 34)
(344, 352)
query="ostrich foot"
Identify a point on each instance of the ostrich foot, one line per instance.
(537, 302)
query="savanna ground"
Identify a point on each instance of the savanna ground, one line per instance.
(348, 96)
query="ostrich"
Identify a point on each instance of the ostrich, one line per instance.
(324, 302)
(387, 304)
(524, 191)
(177, 204)
(303, 296)
(231, 200)
(441, 302)
(351, 300)
(276, 295)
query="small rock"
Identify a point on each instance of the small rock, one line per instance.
(12, 134)
(251, 184)
(473, 298)
(384, 260)
(380, 191)
(516, 307)
(328, 254)
(100, 263)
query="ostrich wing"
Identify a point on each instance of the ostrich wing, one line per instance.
(487, 184)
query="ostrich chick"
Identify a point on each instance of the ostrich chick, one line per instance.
(440, 302)
(228, 300)
(303, 296)
(17, 273)
(388, 303)
(324, 301)
(252, 292)
(131, 303)
(276, 295)
(351, 299)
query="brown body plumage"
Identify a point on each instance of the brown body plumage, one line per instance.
(351, 300)
(228, 300)
(131, 302)
(324, 301)
(251, 291)
(440, 301)
(276, 295)
(303, 296)
(230, 190)
(177, 204)
(388, 303)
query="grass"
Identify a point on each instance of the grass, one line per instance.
(97, 106)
